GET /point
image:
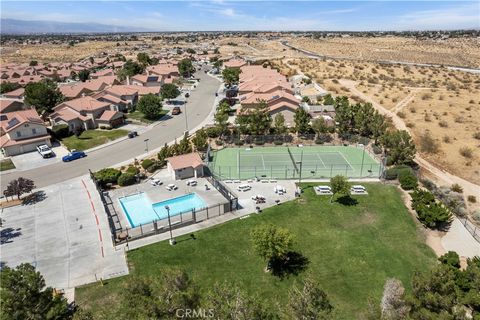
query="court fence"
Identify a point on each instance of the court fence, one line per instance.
(289, 172)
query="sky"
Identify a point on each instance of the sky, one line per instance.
(255, 15)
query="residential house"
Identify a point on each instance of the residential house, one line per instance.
(10, 105)
(15, 94)
(22, 131)
(102, 73)
(146, 80)
(85, 113)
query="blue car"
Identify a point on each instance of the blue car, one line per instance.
(74, 155)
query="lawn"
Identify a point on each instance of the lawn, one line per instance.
(139, 116)
(352, 250)
(92, 138)
(6, 164)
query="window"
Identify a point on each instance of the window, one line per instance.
(34, 131)
(19, 134)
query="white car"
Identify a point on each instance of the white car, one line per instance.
(45, 151)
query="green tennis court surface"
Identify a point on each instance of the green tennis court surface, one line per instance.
(287, 162)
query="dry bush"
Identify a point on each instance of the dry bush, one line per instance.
(428, 144)
(459, 119)
(443, 124)
(426, 96)
(401, 114)
(446, 139)
(466, 152)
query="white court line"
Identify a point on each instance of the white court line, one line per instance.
(340, 153)
(323, 163)
(263, 161)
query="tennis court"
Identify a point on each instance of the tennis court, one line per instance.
(290, 162)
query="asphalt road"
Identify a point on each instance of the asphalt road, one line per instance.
(199, 106)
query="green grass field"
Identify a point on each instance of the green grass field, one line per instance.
(352, 251)
(139, 116)
(92, 138)
(276, 162)
(6, 164)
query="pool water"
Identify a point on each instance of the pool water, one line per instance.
(139, 209)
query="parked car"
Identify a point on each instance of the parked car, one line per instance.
(187, 95)
(73, 155)
(176, 110)
(45, 151)
(132, 134)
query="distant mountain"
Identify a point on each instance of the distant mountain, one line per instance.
(13, 26)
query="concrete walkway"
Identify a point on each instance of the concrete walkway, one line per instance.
(458, 239)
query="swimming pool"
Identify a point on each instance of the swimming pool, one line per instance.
(139, 209)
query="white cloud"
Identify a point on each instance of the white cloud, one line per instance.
(466, 16)
(227, 12)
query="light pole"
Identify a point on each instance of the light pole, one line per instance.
(146, 144)
(300, 173)
(186, 119)
(172, 240)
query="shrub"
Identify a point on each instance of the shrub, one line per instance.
(476, 135)
(476, 215)
(429, 184)
(466, 152)
(363, 140)
(453, 200)
(443, 124)
(395, 172)
(61, 131)
(376, 149)
(219, 142)
(408, 181)
(107, 175)
(239, 142)
(427, 143)
(278, 142)
(323, 138)
(430, 213)
(147, 163)
(126, 179)
(213, 132)
(472, 199)
(450, 258)
(132, 170)
(456, 188)
(401, 114)
(152, 168)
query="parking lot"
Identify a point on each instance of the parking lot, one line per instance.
(64, 234)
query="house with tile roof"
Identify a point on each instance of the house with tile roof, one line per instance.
(22, 131)
(85, 113)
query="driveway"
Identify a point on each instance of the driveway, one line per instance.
(199, 108)
(33, 160)
(65, 235)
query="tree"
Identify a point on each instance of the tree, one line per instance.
(231, 76)
(429, 212)
(393, 305)
(164, 153)
(33, 63)
(191, 51)
(279, 124)
(44, 95)
(339, 185)
(255, 119)
(184, 146)
(169, 91)
(221, 116)
(319, 125)
(328, 100)
(228, 302)
(130, 68)
(200, 139)
(271, 242)
(301, 118)
(8, 86)
(308, 302)
(151, 106)
(400, 147)
(18, 187)
(143, 58)
(185, 67)
(24, 295)
(83, 75)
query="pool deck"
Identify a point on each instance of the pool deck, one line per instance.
(159, 193)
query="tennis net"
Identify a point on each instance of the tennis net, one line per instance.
(293, 159)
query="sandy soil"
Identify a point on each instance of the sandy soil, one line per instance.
(457, 52)
(441, 103)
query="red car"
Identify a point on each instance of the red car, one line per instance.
(176, 110)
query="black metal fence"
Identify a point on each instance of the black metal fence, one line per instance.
(471, 228)
(126, 234)
(225, 191)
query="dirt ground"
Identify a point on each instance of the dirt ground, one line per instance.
(435, 102)
(455, 51)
